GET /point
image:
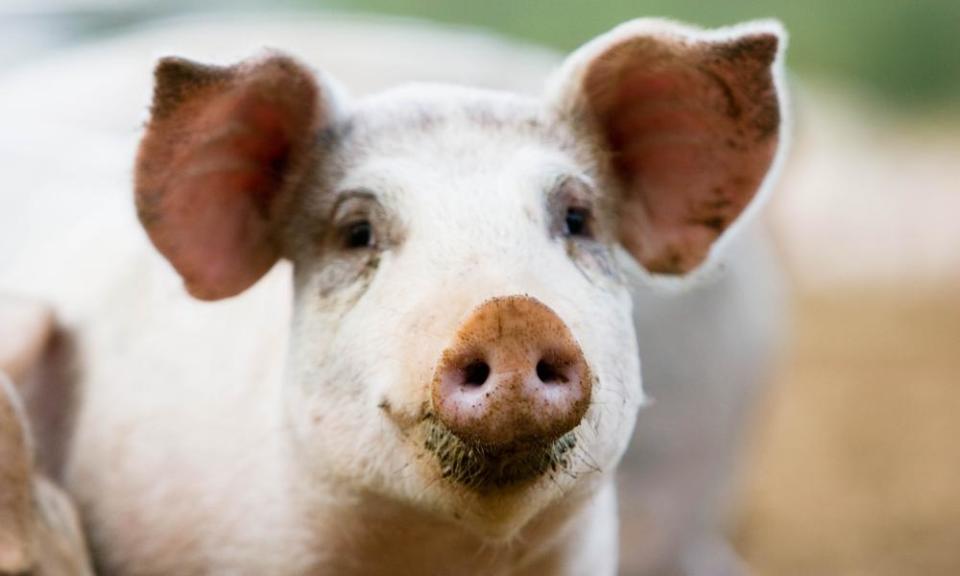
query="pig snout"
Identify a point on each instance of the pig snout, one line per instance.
(513, 376)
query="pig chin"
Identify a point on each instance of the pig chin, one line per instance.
(488, 469)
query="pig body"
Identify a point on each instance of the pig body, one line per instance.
(680, 471)
(184, 457)
(39, 529)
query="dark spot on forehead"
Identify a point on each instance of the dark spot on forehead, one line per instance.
(489, 117)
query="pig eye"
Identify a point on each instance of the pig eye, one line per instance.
(358, 235)
(577, 222)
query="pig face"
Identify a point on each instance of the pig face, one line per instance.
(462, 337)
(453, 240)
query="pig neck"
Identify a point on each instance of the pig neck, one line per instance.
(363, 533)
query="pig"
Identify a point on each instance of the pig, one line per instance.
(40, 532)
(422, 358)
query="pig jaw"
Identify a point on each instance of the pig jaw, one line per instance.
(367, 533)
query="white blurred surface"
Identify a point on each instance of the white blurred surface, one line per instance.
(868, 198)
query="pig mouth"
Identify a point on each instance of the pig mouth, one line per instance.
(485, 468)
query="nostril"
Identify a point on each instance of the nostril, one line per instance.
(549, 373)
(476, 373)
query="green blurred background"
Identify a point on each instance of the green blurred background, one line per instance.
(907, 52)
(904, 53)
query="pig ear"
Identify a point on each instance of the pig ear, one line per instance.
(223, 150)
(690, 122)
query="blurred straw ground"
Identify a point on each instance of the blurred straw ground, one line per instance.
(856, 469)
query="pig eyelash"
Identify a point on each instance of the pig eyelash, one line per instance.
(572, 208)
(354, 217)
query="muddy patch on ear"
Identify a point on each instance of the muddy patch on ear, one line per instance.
(691, 127)
(485, 469)
(745, 62)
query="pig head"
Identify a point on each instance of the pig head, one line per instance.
(462, 340)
